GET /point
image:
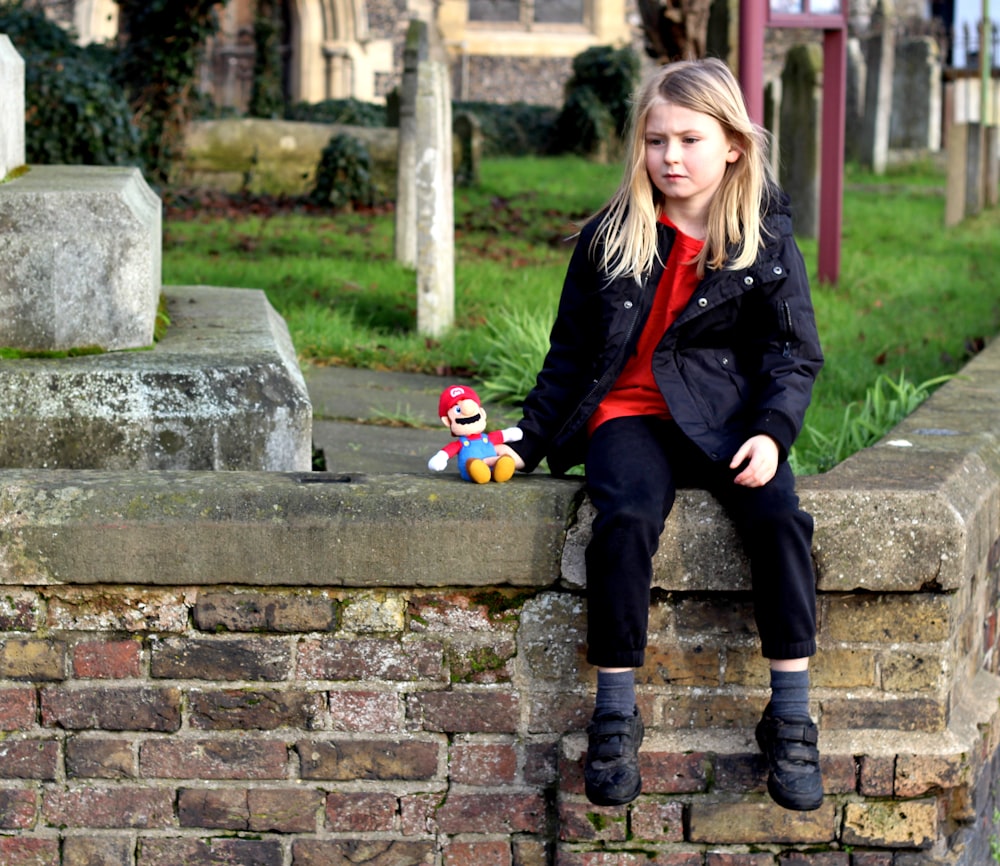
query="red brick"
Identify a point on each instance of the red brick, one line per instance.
(92, 807)
(673, 772)
(100, 758)
(348, 760)
(628, 858)
(483, 764)
(116, 708)
(29, 759)
(347, 852)
(34, 660)
(222, 659)
(477, 854)
(180, 758)
(18, 709)
(259, 810)
(465, 712)
(492, 813)
(871, 858)
(583, 822)
(541, 764)
(254, 709)
(97, 851)
(366, 711)
(19, 610)
(726, 858)
(211, 852)
(20, 851)
(417, 813)
(107, 659)
(451, 613)
(371, 659)
(876, 775)
(17, 808)
(283, 810)
(658, 821)
(361, 813)
(265, 611)
(824, 858)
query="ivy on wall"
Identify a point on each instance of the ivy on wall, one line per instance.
(162, 44)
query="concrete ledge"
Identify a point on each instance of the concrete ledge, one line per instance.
(259, 529)
(908, 515)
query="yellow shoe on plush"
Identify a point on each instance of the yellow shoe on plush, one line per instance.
(478, 471)
(503, 469)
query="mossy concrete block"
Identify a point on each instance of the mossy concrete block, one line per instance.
(280, 529)
(11, 107)
(276, 157)
(80, 259)
(221, 390)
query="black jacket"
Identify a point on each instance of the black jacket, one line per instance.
(739, 360)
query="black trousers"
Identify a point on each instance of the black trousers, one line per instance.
(634, 467)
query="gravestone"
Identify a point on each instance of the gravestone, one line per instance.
(11, 107)
(469, 133)
(801, 106)
(916, 96)
(80, 267)
(435, 192)
(880, 52)
(854, 108)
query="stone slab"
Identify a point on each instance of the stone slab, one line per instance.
(280, 529)
(80, 259)
(11, 107)
(221, 390)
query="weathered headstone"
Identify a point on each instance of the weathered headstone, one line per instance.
(916, 96)
(801, 101)
(469, 133)
(11, 107)
(406, 172)
(854, 109)
(880, 52)
(427, 87)
(80, 267)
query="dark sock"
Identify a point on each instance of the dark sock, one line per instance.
(790, 695)
(615, 693)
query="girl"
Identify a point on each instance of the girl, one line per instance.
(683, 354)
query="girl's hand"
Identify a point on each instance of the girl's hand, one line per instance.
(762, 453)
(505, 449)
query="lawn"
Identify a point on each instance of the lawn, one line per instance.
(914, 299)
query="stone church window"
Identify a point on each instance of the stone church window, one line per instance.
(526, 12)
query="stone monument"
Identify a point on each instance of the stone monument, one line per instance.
(80, 269)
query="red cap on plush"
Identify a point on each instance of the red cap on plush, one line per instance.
(454, 394)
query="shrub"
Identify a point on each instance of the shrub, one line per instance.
(74, 114)
(344, 176)
(602, 76)
(349, 112)
(517, 129)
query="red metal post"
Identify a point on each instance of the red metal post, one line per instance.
(753, 20)
(831, 188)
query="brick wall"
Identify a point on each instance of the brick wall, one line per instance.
(260, 671)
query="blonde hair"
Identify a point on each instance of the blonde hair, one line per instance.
(628, 228)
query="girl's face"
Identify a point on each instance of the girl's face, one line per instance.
(686, 156)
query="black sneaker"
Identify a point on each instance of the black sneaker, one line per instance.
(611, 775)
(794, 779)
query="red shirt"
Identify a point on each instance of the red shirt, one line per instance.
(635, 391)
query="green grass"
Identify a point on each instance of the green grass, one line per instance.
(913, 301)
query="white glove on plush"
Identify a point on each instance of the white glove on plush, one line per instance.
(512, 434)
(438, 462)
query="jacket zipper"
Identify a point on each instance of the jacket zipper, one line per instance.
(789, 329)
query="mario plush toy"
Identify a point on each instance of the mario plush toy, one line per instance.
(462, 413)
